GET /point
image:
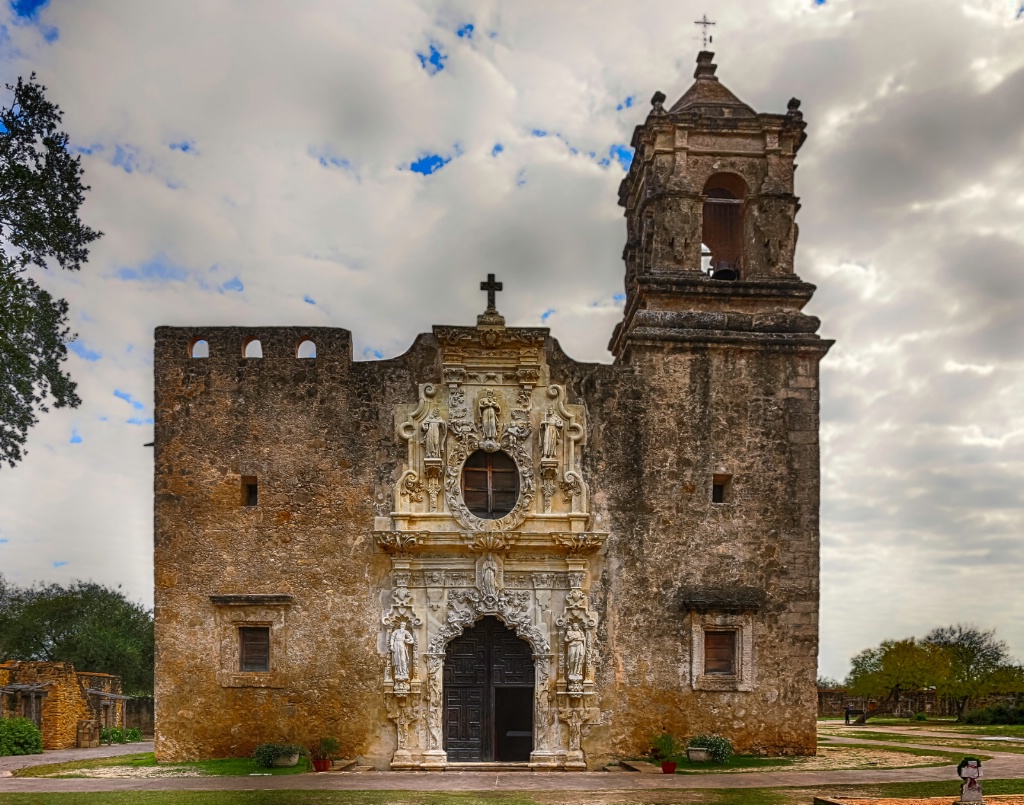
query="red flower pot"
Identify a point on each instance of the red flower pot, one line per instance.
(322, 765)
(668, 767)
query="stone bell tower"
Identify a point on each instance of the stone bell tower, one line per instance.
(716, 532)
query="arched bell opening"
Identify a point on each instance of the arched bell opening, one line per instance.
(488, 695)
(722, 229)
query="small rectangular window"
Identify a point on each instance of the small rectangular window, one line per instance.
(250, 490)
(254, 648)
(720, 488)
(720, 653)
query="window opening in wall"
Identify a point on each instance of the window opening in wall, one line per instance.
(720, 653)
(250, 490)
(490, 484)
(305, 349)
(253, 349)
(720, 488)
(722, 233)
(200, 349)
(254, 648)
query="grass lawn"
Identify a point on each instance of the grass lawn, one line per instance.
(965, 742)
(229, 767)
(722, 796)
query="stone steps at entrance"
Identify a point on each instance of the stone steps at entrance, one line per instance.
(489, 766)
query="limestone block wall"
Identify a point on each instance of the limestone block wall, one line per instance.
(317, 436)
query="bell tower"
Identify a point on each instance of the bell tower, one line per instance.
(710, 214)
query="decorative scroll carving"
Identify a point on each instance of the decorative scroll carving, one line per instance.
(490, 541)
(395, 541)
(466, 607)
(581, 543)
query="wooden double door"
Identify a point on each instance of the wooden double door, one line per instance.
(488, 695)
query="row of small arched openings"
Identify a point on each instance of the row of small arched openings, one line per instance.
(252, 348)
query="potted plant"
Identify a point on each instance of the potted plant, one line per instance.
(702, 748)
(269, 756)
(663, 747)
(323, 752)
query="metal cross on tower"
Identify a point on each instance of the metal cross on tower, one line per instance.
(490, 286)
(704, 22)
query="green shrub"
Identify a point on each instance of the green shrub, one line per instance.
(996, 714)
(920, 716)
(266, 754)
(19, 736)
(719, 749)
(663, 746)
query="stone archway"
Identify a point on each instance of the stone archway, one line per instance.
(489, 680)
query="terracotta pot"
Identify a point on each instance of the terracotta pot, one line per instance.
(321, 765)
(668, 767)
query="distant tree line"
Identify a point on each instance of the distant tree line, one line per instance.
(961, 663)
(95, 628)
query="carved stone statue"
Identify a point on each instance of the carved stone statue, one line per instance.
(434, 428)
(401, 650)
(550, 435)
(489, 578)
(489, 410)
(575, 652)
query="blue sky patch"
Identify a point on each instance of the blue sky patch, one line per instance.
(138, 421)
(623, 154)
(432, 61)
(370, 351)
(498, 148)
(27, 9)
(127, 397)
(521, 178)
(309, 300)
(431, 163)
(156, 270)
(619, 297)
(465, 31)
(87, 149)
(59, 564)
(547, 314)
(233, 284)
(539, 133)
(626, 104)
(75, 437)
(83, 352)
(3, 540)
(126, 157)
(185, 146)
(1020, 11)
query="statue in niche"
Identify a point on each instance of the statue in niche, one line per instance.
(489, 411)
(401, 649)
(550, 427)
(489, 578)
(575, 652)
(434, 429)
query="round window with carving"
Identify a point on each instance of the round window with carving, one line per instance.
(490, 484)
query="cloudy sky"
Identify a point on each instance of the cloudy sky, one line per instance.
(362, 165)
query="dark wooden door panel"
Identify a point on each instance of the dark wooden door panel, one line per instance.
(488, 695)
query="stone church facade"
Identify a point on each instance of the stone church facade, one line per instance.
(483, 550)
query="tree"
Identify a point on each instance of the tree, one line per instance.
(91, 626)
(40, 193)
(894, 667)
(975, 662)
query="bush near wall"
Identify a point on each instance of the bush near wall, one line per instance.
(19, 736)
(996, 714)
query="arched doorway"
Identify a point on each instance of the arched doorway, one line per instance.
(488, 695)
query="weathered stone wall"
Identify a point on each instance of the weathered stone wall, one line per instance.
(318, 436)
(67, 701)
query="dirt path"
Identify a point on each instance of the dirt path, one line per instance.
(62, 755)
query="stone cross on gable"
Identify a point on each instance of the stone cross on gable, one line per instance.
(491, 287)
